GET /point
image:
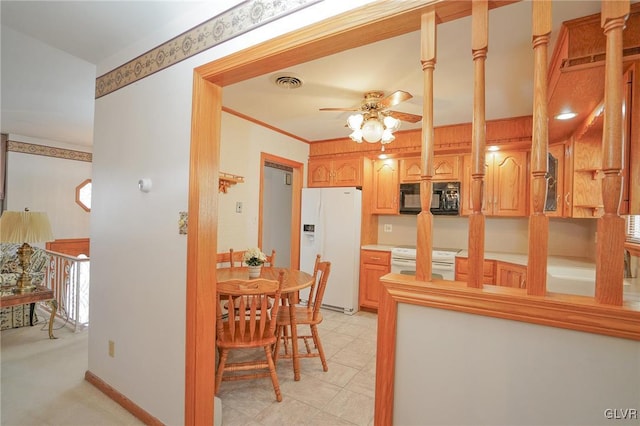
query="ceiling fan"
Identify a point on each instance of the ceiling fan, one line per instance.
(375, 122)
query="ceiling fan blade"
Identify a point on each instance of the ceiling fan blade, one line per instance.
(395, 98)
(405, 116)
(339, 109)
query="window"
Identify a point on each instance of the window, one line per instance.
(633, 229)
(83, 195)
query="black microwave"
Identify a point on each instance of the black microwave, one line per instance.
(444, 201)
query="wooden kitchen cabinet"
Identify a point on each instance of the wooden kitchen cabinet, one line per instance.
(386, 187)
(511, 275)
(488, 270)
(506, 179)
(325, 172)
(373, 265)
(446, 168)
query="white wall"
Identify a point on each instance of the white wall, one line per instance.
(138, 265)
(567, 237)
(455, 368)
(276, 217)
(242, 143)
(49, 184)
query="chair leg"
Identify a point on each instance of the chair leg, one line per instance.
(272, 370)
(276, 346)
(316, 340)
(224, 353)
(285, 339)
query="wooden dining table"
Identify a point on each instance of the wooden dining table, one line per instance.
(293, 281)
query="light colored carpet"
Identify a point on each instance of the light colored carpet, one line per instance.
(43, 381)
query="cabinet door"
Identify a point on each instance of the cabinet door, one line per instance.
(509, 176)
(410, 170)
(373, 265)
(319, 173)
(446, 168)
(347, 172)
(510, 275)
(462, 270)
(385, 187)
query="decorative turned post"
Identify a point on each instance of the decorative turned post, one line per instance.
(425, 218)
(538, 221)
(611, 227)
(479, 48)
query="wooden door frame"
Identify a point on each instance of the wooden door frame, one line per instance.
(373, 22)
(296, 202)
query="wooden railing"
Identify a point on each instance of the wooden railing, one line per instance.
(68, 277)
(602, 314)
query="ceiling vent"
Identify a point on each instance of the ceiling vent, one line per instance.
(287, 81)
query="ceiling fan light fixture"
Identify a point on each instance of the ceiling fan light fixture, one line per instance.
(356, 136)
(372, 130)
(355, 121)
(387, 136)
(392, 124)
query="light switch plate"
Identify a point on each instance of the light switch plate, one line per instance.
(387, 227)
(239, 207)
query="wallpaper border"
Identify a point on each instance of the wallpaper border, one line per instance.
(238, 20)
(49, 151)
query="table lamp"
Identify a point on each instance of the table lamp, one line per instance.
(24, 227)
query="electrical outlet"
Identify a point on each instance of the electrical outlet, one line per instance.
(239, 207)
(112, 349)
(387, 227)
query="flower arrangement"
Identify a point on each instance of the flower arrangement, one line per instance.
(254, 257)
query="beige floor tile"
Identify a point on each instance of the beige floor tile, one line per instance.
(352, 407)
(311, 391)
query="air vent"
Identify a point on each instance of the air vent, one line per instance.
(287, 81)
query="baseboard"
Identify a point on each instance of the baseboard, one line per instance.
(125, 402)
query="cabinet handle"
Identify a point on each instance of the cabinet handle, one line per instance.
(523, 283)
(566, 198)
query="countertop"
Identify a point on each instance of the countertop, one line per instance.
(567, 274)
(378, 247)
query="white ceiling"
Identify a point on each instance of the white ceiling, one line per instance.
(93, 30)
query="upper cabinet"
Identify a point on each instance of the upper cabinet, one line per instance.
(505, 184)
(386, 187)
(445, 168)
(325, 172)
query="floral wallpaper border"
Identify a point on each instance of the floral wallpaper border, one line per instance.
(232, 23)
(49, 151)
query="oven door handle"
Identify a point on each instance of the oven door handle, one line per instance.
(442, 266)
(403, 262)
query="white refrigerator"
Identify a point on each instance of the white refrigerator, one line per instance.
(330, 221)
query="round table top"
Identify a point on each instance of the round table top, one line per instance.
(294, 279)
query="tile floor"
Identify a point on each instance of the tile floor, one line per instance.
(342, 396)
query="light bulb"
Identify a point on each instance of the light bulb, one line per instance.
(391, 123)
(356, 136)
(387, 136)
(372, 130)
(354, 121)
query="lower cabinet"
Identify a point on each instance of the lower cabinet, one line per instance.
(510, 275)
(373, 265)
(462, 270)
(495, 272)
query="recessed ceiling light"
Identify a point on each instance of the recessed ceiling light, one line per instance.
(566, 116)
(493, 148)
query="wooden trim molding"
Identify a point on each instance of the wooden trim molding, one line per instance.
(555, 310)
(125, 402)
(49, 151)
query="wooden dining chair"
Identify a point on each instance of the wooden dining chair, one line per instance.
(236, 331)
(308, 314)
(223, 260)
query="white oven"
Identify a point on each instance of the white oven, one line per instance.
(403, 261)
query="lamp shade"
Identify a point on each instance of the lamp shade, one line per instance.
(25, 227)
(372, 130)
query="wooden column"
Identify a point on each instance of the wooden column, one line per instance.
(479, 47)
(611, 227)
(538, 221)
(425, 218)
